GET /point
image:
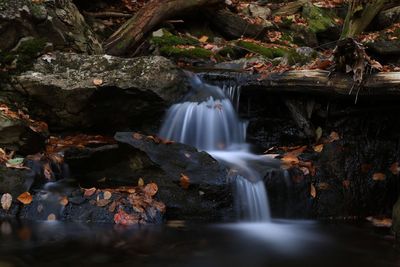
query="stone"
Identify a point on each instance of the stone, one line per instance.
(71, 91)
(54, 21)
(16, 134)
(208, 197)
(15, 181)
(388, 17)
(259, 11)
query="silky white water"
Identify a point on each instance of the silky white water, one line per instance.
(208, 120)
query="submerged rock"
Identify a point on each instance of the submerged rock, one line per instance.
(192, 184)
(74, 91)
(56, 22)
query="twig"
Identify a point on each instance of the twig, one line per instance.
(107, 14)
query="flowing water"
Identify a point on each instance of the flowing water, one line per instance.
(207, 119)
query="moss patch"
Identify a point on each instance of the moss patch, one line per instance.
(269, 52)
(318, 19)
(168, 39)
(177, 52)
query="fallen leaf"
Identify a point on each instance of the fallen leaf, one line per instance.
(380, 222)
(313, 191)
(97, 82)
(103, 202)
(151, 189)
(334, 136)
(107, 194)
(346, 184)
(140, 182)
(394, 168)
(112, 207)
(318, 148)
(25, 198)
(365, 168)
(203, 39)
(64, 201)
(51, 217)
(318, 134)
(123, 218)
(137, 136)
(89, 192)
(378, 176)
(184, 181)
(323, 186)
(6, 201)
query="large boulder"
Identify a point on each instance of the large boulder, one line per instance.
(192, 184)
(75, 91)
(54, 21)
(15, 181)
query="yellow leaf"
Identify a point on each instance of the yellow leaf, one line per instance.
(140, 182)
(6, 201)
(318, 148)
(25, 198)
(203, 39)
(107, 194)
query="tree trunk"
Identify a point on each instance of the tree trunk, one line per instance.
(131, 33)
(359, 15)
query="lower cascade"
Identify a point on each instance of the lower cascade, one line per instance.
(207, 120)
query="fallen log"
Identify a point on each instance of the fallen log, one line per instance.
(131, 33)
(232, 25)
(316, 82)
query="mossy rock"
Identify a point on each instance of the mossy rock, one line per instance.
(178, 52)
(268, 52)
(396, 219)
(318, 19)
(169, 39)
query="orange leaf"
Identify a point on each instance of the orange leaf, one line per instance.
(184, 181)
(25, 198)
(89, 192)
(334, 136)
(97, 82)
(51, 217)
(378, 176)
(394, 168)
(313, 191)
(151, 189)
(107, 195)
(137, 136)
(123, 218)
(64, 201)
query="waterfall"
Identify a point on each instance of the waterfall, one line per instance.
(208, 120)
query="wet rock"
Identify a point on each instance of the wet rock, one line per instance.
(259, 11)
(74, 91)
(207, 197)
(57, 22)
(15, 181)
(17, 135)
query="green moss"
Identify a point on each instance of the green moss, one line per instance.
(318, 19)
(168, 39)
(24, 57)
(269, 52)
(196, 52)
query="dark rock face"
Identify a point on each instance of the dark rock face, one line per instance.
(72, 91)
(15, 181)
(57, 22)
(15, 134)
(207, 198)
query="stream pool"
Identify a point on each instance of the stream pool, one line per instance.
(280, 243)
